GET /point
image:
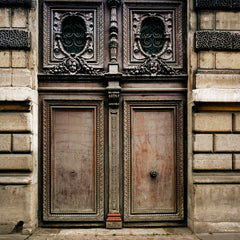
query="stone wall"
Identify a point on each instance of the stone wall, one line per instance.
(214, 105)
(18, 116)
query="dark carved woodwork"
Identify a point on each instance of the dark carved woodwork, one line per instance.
(217, 40)
(167, 58)
(114, 217)
(73, 153)
(122, 101)
(113, 30)
(15, 39)
(84, 22)
(20, 3)
(218, 4)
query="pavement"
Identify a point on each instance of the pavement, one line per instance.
(120, 234)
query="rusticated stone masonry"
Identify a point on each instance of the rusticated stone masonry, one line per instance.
(20, 3)
(15, 39)
(218, 4)
(217, 40)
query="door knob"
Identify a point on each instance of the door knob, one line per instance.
(153, 174)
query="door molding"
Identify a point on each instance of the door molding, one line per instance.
(163, 215)
(80, 104)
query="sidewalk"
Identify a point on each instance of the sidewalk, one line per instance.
(121, 234)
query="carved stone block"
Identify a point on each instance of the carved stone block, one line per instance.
(217, 4)
(15, 39)
(73, 38)
(25, 3)
(162, 52)
(236, 41)
(217, 40)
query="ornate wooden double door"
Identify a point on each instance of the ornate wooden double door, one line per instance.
(112, 87)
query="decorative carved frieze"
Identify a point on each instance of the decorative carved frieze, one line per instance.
(218, 4)
(217, 40)
(15, 39)
(153, 38)
(25, 3)
(73, 38)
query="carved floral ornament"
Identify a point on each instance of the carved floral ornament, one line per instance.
(73, 42)
(152, 44)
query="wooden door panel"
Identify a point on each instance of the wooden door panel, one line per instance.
(73, 157)
(153, 148)
(153, 135)
(73, 161)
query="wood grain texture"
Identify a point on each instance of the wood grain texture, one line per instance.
(73, 161)
(153, 147)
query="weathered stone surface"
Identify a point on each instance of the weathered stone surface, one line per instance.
(19, 59)
(219, 236)
(4, 17)
(21, 142)
(4, 58)
(203, 143)
(227, 81)
(19, 17)
(216, 227)
(17, 203)
(227, 142)
(212, 122)
(21, 78)
(15, 121)
(227, 60)
(5, 142)
(14, 39)
(216, 95)
(216, 178)
(212, 161)
(236, 122)
(217, 203)
(117, 234)
(5, 78)
(236, 161)
(227, 20)
(207, 59)
(206, 20)
(19, 93)
(16, 162)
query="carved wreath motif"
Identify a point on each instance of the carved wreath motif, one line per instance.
(73, 42)
(152, 44)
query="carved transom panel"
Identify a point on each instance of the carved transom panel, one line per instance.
(73, 38)
(153, 41)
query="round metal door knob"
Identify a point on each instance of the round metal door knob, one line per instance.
(153, 174)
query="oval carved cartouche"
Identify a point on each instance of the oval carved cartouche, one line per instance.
(152, 35)
(73, 34)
